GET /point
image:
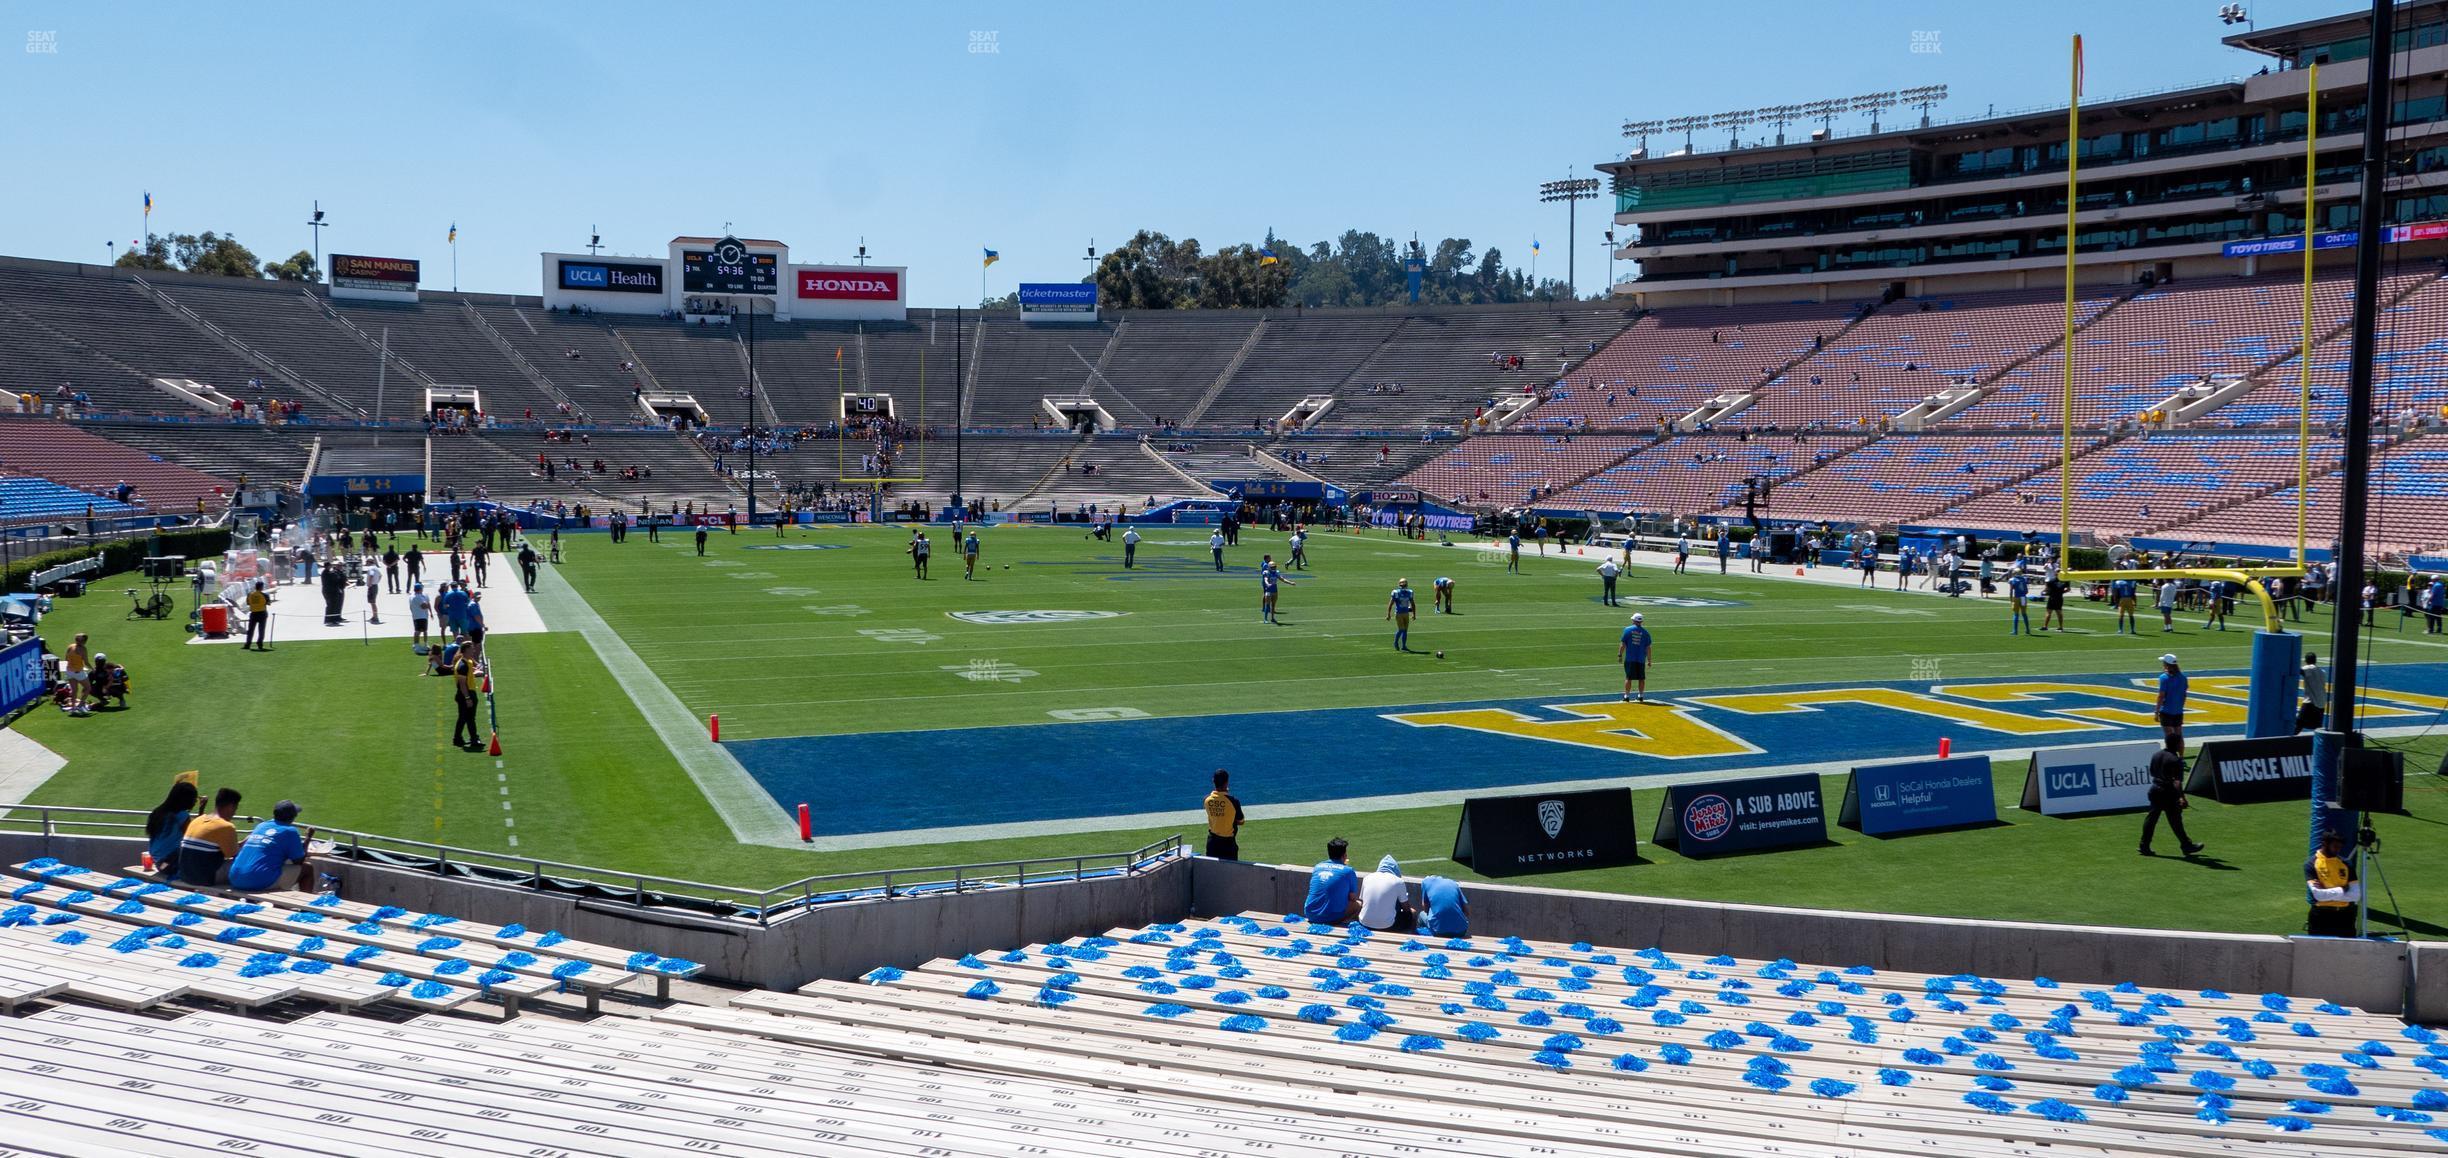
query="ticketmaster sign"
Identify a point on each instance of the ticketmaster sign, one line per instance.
(1073, 302)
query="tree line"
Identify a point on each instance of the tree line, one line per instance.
(1152, 271)
(218, 254)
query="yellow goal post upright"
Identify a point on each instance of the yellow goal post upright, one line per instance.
(876, 480)
(2250, 577)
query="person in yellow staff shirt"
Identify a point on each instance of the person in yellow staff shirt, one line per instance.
(1224, 819)
(2330, 875)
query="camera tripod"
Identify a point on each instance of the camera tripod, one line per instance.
(2368, 840)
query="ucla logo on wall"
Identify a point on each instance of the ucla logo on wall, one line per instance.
(998, 618)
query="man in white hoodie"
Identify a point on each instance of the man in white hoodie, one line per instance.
(1384, 901)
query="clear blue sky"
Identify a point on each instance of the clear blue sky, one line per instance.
(821, 123)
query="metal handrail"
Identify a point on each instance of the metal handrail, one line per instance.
(760, 905)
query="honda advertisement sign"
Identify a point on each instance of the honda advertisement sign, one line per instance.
(849, 293)
(2088, 779)
(1070, 301)
(837, 284)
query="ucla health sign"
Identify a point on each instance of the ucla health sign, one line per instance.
(21, 675)
(619, 277)
(1058, 302)
(2089, 779)
(1918, 796)
(1741, 815)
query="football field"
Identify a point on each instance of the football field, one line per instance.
(1059, 702)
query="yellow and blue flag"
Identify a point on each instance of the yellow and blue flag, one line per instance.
(991, 258)
(454, 233)
(1266, 255)
(148, 204)
(1534, 245)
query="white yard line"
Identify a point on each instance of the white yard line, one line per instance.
(752, 814)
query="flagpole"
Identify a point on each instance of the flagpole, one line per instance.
(2065, 468)
(2303, 413)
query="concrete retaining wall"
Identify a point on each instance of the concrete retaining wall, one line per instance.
(2370, 975)
(838, 941)
(842, 941)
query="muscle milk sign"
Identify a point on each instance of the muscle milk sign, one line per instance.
(2253, 771)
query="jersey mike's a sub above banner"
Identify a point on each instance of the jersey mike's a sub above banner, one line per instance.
(2089, 779)
(1919, 796)
(1741, 815)
(1547, 832)
(2253, 771)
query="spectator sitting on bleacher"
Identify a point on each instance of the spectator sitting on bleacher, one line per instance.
(166, 826)
(1384, 902)
(273, 856)
(1444, 911)
(1334, 889)
(211, 840)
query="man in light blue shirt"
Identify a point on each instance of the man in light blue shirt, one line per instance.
(1334, 889)
(1444, 911)
(1633, 650)
(2170, 706)
(1215, 547)
(272, 857)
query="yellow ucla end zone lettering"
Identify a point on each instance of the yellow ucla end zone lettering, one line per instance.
(1898, 699)
(2197, 710)
(2239, 688)
(1657, 730)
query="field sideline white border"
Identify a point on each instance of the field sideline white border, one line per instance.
(755, 817)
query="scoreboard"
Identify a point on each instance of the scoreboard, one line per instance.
(729, 268)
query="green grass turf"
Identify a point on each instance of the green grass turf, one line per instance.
(359, 736)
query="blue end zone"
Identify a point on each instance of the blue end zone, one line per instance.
(896, 781)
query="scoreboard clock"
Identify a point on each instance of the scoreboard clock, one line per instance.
(729, 268)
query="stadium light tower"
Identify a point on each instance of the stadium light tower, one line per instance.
(1781, 116)
(1685, 125)
(317, 223)
(594, 245)
(1642, 129)
(1733, 122)
(2234, 14)
(1924, 98)
(1872, 103)
(1571, 191)
(1825, 112)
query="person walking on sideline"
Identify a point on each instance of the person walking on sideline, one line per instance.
(1633, 650)
(2167, 799)
(1215, 547)
(463, 695)
(1607, 571)
(1130, 548)
(1224, 819)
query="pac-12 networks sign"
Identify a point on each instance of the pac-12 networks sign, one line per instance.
(849, 283)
